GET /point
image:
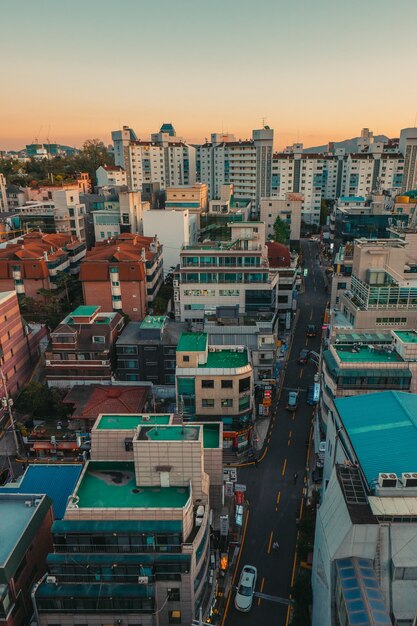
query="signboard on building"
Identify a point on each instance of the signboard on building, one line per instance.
(230, 474)
(224, 525)
(239, 487)
(228, 489)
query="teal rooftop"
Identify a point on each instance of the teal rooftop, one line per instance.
(153, 322)
(211, 434)
(130, 422)
(169, 433)
(352, 199)
(226, 359)
(84, 311)
(192, 342)
(407, 336)
(382, 428)
(112, 485)
(366, 354)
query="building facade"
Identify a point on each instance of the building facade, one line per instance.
(137, 549)
(289, 210)
(111, 176)
(123, 274)
(175, 229)
(81, 348)
(4, 204)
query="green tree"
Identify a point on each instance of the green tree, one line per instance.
(281, 230)
(324, 211)
(36, 399)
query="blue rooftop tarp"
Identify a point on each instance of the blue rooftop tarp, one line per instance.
(57, 481)
(382, 428)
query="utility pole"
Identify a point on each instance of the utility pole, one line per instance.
(7, 404)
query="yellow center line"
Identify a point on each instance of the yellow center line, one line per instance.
(284, 467)
(270, 542)
(278, 497)
(260, 590)
(289, 442)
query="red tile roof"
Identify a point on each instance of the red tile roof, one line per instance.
(90, 401)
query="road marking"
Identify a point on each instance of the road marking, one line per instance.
(270, 542)
(290, 434)
(301, 373)
(260, 595)
(236, 567)
(311, 315)
(278, 497)
(289, 442)
(260, 590)
(293, 416)
(307, 338)
(284, 468)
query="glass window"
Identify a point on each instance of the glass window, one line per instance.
(227, 384)
(244, 384)
(207, 384)
(207, 402)
(227, 403)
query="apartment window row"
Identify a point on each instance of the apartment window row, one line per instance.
(391, 321)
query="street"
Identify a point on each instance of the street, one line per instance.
(273, 492)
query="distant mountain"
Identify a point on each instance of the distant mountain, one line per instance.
(350, 145)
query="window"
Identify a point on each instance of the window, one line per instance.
(99, 339)
(244, 384)
(173, 595)
(174, 617)
(186, 359)
(207, 403)
(227, 384)
(227, 403)
(207, 384)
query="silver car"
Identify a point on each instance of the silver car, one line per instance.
(246, 588)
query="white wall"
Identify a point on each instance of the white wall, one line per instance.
(172, 228)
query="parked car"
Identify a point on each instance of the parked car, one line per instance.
(246, 588)
(292, 400)
(310, 396)
(311, 330)
(303, 357)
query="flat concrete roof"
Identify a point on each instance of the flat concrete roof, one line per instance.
(170, 433)
(112, 485)
(407, 336)
(130, 422)
(155, 322)
(225, 359)
(15, 517)
(366, 355)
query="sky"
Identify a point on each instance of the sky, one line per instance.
(314, 70)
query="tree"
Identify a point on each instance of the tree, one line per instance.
(281, 231)
(36, 399)
(93, 154)
(324, 211)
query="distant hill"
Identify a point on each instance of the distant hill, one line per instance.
(350, 145)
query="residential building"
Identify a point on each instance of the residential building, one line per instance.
(383, 290)
(289, 280)
(175, 229)
(123, 274)
(16, 196)
(216, 382)
(33, 262)
(55, 481)
(245, 164)
(89, 401)
(25, 541)
(342, 274)
(408, 147)
(222, 211)
(135, 539)
(365, 562)
(192, 198)
(4, 204)
(19, 350)
(288, 210)
(82, 347)
(166, 159)
(111, 176)
(84, 183)
(68, 211)
(213, 274)
(106, 200)
(146, 350)
(124, 216)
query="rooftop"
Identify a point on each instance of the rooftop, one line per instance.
(170, 433)
(192, 342)
(56, 481)
(112, 484)
(211, 434)
(130, 422)
(92, 400)
(386, 439)
(366, 354)
(15, 518)
(85, 311)
(407, 336)
(155, 322)
(226, 359)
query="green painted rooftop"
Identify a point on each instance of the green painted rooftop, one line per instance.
(192, 342)
(84, 310)
(154, 322)
(366, 355)
(407, 336)
(170, 433)
(112, 484)
(130, 422)
(226, 359)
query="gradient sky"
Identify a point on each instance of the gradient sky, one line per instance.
(316, 70)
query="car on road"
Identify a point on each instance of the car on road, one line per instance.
(292, 402)
(312, 400)
(311, 330)
(303, 357)
(246, 588)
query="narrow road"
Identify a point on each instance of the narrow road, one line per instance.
(273, 494)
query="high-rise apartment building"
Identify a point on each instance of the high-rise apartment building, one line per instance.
(244, 164)
(4, 204)
(408, 147)
(165, 159)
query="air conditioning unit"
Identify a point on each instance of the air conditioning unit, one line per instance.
(409, 479)
(387, 480)
(175, 283)
(51, 580)
(143, 580)
(28, 503)
(38, 501)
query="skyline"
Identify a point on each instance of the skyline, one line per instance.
(316, 73)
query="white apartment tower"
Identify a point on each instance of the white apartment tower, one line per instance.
(408, 147)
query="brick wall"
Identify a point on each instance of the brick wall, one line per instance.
(134, 297)
(98, 293)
